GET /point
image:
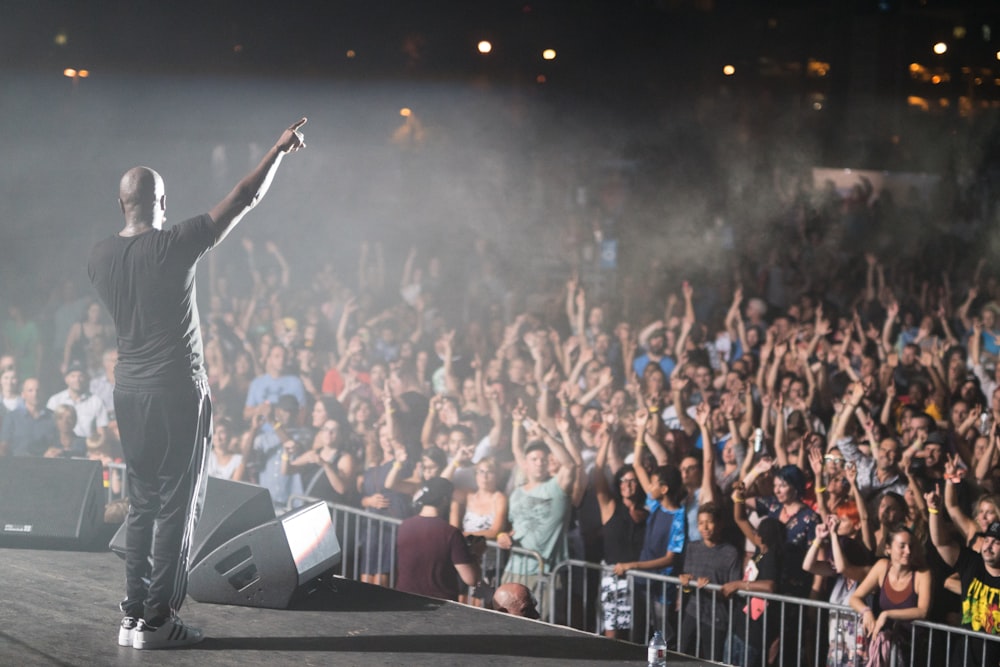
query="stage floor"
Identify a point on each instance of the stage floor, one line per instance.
(60, 608)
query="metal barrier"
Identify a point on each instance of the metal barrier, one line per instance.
(369, 538)
(957, 648)
(115, 481)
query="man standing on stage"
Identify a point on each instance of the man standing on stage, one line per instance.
(145, 276)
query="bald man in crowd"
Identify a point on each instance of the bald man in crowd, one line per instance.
(515, 599)
(145, 276)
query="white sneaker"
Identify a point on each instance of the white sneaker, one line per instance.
(172, 633)
(126, 631)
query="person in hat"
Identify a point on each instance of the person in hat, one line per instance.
(980, 577)
(656, 351)
(430, 550)
(145, 276)
(91, 412)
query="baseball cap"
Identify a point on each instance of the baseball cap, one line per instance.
(993, 531)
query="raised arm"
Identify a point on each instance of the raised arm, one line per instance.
(252, 188)
(947, 549)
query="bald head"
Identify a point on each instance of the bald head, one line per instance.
(141, 195)
(516, 600)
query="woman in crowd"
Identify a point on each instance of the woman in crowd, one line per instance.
(92, 326)
(485, 516)
(623, 525)
(223, 461)
(330, 470)
(903, 585)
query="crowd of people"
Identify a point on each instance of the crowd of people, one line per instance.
(757, 429)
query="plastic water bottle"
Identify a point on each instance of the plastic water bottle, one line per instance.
(657, 652)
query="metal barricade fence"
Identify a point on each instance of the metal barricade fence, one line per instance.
(115, 481)
(368, 542)
(948, 646)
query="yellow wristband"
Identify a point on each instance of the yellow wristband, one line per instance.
(932, 510)
(276, 425)
(820, 489)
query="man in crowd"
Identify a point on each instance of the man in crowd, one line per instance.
(91, 412)
(980, 576)
(31, 429)
(430, 551)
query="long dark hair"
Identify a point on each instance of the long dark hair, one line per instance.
(639, 497)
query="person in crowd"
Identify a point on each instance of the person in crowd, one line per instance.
(274, 383)
(225, 460)
(68, 444)
(709, 560)
(89, 328)
(273, 439)
(91, 412)
(980, 584)
(330, 470)
(515, 599)
(102, 384)
(763, 573)
(10, 395)
(623, 516)
(430, 551)
(836, 555)
(799, 520)
(904, 585)
(485, 516)
(539, 508)
(28, 430)
(378, 498)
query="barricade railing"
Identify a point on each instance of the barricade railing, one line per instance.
(369, 539)
(948, 646)
(575, 595)
(115, 481)
(744, 628)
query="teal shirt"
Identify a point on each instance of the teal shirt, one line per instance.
(539, 519)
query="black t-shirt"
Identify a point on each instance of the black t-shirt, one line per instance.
(147, 282)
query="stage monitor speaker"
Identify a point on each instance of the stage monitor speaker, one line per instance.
(231, 508)
(267, 565)
(51, 503)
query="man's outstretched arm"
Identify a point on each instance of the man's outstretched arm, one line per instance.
(249, 191)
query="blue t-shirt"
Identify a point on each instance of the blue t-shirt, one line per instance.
(270, 389)
(665, 534)
(640, 363)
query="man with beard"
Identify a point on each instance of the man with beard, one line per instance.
(980, 575)
(656, 353)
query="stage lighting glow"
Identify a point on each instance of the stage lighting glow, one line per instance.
(405, 112)
(60, 39)
(351, 53)
(940, 48)
(549, 54)
(729, 70)
(484, 46)
(70, 72)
